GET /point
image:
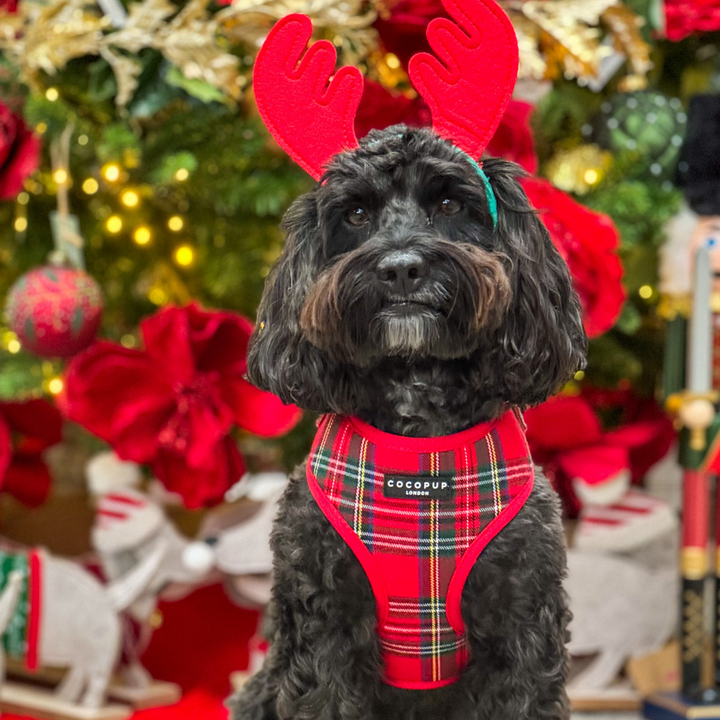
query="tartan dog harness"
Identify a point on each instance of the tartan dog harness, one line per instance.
(417, 513)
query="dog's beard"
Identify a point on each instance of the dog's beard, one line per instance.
(349, 314)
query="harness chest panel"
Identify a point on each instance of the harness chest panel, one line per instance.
(417, 513)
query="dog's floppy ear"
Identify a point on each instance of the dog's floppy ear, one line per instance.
(280, 360)
(542, 342)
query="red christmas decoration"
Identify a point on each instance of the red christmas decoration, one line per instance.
(27, 429)
(174, 404)
(402, 29)
(54, 310)
(588, 242)
(514, 139)
(567, 438)
(312, 116)
(690, 17)
(381, 108)
(469, 84)
(19, 149)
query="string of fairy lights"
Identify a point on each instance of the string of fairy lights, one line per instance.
(111, 180)
(114, 175)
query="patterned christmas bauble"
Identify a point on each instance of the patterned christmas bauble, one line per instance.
(648, 124)
(55, 311)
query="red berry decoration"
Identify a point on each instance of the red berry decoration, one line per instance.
(55, 311)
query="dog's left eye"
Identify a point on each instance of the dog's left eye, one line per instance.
(358, 217)
(450, 206)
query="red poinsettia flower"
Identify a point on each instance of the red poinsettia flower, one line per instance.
(690, 17)
(19, 153)
(26, 430)
(8, 6)
(514, 140)
(381, 108)
(567, 439)
(402, 29)
(588, 242)
(174, 403)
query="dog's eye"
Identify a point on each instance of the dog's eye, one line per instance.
(450, 206)
(358, 217)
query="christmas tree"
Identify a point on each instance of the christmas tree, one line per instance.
(132, 157)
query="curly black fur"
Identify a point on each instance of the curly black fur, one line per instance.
(396, 300)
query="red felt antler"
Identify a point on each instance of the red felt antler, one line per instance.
(310, 120)
(469, 87)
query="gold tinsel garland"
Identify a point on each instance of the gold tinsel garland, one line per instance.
(347, 23)
(42, 37)
(565, 37)
(556, 37)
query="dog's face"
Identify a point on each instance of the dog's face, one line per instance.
(394, 255)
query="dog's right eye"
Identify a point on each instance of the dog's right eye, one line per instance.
(358, 217)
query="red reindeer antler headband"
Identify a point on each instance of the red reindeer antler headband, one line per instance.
(467, 86)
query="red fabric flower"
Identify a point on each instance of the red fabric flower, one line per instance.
(174, 403)
(567, 439)
(26, 430)
(8, 6)
(514, 138)
(690, 17)
(402, 32)
(19, 153)
(381, 108)
(588, 242)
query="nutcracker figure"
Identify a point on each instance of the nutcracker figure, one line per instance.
(692, 386)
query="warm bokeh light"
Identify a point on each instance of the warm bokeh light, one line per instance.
(114, 224)
(52, 94)
(13, 346)
(142, 236)
(83, 139)
(645, 292)
(23, 198)
(184, 255)
(90, 186)
(111, 172)
(157, 296)
(41, 128)
(130, 198)
(176, 223)
(392, 61)
(21, 224)
(56, 385)
(182, 174)
(591, 176)
(60, 176)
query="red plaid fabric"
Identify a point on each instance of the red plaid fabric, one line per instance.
(417, 513)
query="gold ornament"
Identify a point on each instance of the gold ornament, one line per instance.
(579, 170)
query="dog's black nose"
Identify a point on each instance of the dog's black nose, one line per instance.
(403, 271)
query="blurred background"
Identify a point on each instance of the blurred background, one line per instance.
(140, 197)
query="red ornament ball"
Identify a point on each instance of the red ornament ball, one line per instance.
(55, 311)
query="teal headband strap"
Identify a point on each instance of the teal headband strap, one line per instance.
(489, 192)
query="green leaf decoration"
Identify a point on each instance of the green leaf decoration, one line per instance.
(195, 87)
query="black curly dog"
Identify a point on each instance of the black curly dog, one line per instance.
(397, 301)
